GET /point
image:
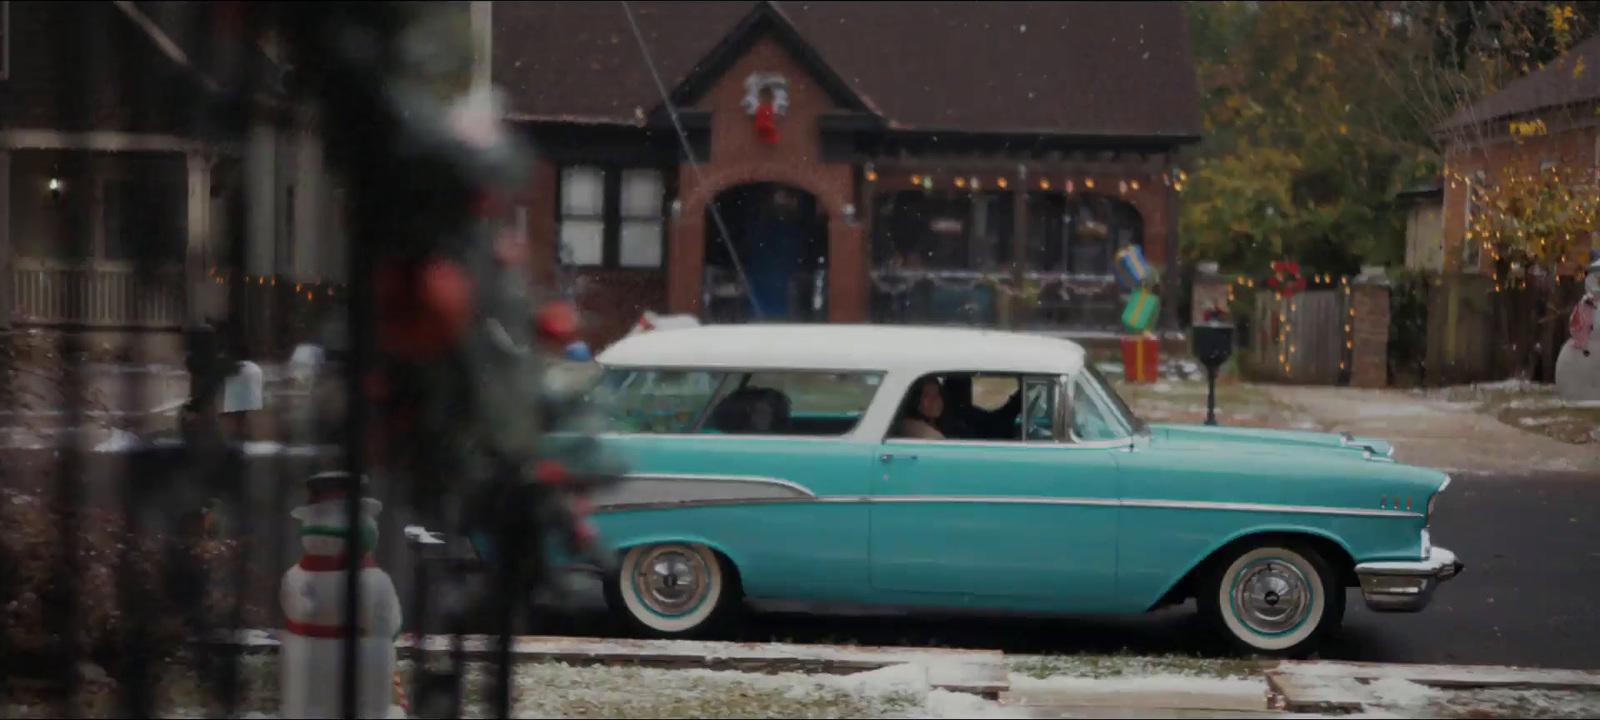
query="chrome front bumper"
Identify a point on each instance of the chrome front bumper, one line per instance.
(1406, 586)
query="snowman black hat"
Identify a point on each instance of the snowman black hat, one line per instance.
(331, 486)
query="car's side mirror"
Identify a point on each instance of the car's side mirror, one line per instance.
(1062, 419)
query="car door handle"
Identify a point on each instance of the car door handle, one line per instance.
(886, 457)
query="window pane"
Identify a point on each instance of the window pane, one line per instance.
(642, 193)
(582, 191)
(795, 403)
(1089, 420)
(655, 401)
(1040, 410)
(640, 244)
(582, 242)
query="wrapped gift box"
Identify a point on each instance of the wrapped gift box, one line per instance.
(1140, 358)
(1131, 269)
(1140, 312)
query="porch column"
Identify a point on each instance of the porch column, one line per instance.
(1019, 246)
(198, 238)
(7, 272)
(847, 271)
(686, 262)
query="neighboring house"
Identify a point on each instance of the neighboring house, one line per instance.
(943, 162)
(1562, 99)
(1425, 226)
(112, 139)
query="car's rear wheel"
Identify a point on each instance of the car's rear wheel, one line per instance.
(1274, 598)
(673, 590)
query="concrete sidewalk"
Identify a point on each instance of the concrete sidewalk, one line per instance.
(1436, 433)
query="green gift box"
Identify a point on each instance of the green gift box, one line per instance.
(1140, 313)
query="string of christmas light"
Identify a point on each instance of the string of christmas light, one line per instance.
(975, 183)
(311, 289)
(1536, 218)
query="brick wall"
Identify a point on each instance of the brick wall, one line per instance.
(1572, 148)
(737, 157)
(1370, 334)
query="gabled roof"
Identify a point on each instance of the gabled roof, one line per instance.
(1093, 69)
(1558, 84)
(763, 20)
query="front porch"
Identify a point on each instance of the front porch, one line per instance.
(1025, 245)
(128, 237)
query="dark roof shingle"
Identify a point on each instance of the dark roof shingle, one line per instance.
(1557, 84)
(1052, 68)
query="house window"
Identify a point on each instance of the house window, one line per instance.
(1547, 164)
(612, 217)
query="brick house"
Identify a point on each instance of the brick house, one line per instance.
(960, 162)
(114, 136)
(1481, 144)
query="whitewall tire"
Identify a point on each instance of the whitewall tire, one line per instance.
(672, 589)
(1274, 599)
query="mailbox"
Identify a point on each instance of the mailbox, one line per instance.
(1212, 343)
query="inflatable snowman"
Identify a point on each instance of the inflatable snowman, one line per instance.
(311, 662)
(1578, 365)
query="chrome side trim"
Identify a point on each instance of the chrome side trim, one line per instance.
(806, 496)
(697, 477)
(1267, 508)
(994, 500)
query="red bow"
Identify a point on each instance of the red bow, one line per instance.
(766, 124)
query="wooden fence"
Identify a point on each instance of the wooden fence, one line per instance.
(1478, 334)
(1301, 339)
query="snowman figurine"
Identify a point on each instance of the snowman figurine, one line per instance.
(1578, 365)
(311, 649)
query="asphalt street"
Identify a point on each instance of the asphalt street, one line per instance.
(1528, 596)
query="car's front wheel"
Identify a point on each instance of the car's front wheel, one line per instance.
(1279, 599)
(673, 590)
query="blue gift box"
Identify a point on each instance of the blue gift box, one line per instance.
(1131, 269)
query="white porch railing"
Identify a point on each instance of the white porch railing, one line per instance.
(99, 295)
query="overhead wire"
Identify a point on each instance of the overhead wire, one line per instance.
(694, 163)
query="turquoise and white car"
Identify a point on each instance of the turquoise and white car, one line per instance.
(767, 463)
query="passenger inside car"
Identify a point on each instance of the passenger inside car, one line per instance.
(920, 411)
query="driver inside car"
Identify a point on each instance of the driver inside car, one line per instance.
(961, 419)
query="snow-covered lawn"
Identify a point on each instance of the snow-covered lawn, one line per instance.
(1534, 407)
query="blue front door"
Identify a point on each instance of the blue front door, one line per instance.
(1033, 522)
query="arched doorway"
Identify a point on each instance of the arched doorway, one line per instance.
(779, 236)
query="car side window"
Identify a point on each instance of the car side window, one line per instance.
(1089, 421)
(793, 403)
(1039, 410)
(656, 401)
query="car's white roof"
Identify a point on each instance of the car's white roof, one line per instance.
(845, 347)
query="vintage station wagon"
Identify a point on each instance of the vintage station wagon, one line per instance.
(966, 469)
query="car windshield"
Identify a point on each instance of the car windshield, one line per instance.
(1117, 407)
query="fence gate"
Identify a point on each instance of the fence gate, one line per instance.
(1301, 339)
(156, 445)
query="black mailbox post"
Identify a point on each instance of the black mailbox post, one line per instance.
(1212, 344)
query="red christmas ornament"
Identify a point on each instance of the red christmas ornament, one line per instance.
(550, 472)
(422, 311)
(766, 124)
(558, 323)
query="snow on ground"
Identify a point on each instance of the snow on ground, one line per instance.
(551, 690)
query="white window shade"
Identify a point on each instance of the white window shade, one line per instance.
(642, 193)
(640, 244)
(582, 242)
(582, 191)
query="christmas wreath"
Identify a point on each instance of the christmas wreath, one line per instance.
(1285, 278)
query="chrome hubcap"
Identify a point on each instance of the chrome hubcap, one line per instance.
(671, 581)
(1271, 597)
